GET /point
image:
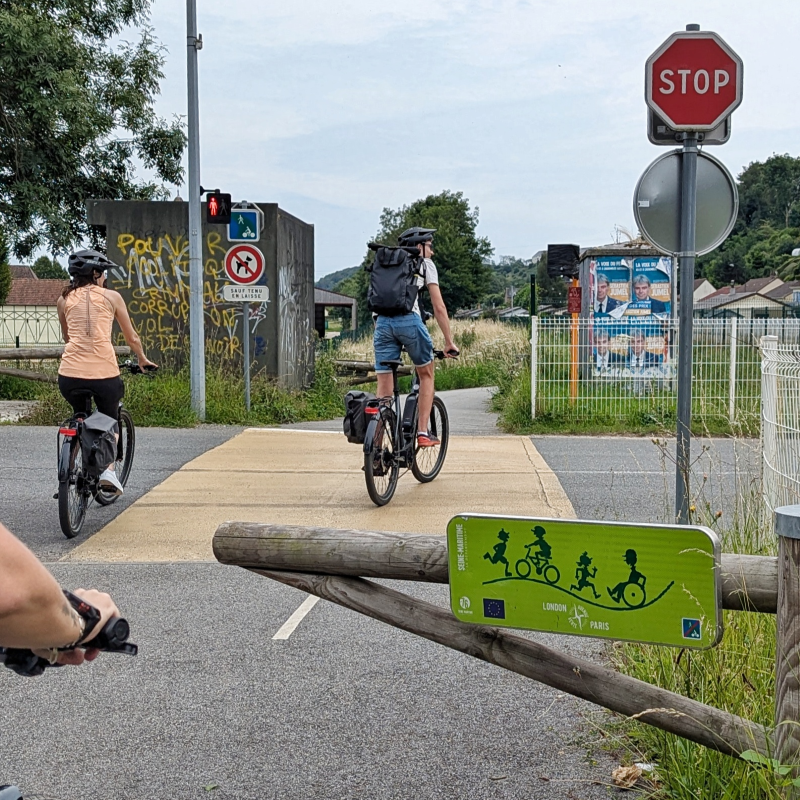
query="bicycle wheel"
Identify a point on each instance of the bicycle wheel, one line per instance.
(381, 469)
(73, 496)
(122, 466)
(551, 574)
(428, 461)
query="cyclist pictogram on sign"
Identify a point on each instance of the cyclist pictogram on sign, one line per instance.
(244, 263)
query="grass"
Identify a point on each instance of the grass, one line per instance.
(489, 349)
(165, 400)
(737, 676)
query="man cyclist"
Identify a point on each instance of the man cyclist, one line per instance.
(86, 311)
(391, 333)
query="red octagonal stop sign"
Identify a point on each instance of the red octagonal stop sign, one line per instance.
(693, 81)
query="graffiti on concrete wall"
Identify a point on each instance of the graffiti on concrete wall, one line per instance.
(154, 277)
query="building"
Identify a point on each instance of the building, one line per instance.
(759, 297)
(29, 316)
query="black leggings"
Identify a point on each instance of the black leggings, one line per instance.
(107, 392)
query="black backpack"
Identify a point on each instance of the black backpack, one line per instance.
(98, 443)
(355, 417)
(393, 282)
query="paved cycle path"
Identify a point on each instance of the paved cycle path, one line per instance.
(315, 478)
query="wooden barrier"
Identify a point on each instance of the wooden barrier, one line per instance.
(748, 582)
(330, 564)
(43, 353)
(38, 354)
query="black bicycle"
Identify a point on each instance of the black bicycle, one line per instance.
(76, 486)
(390, 442)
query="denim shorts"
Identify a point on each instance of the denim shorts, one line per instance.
(408, 330)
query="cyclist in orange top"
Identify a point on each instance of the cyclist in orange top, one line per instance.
(86, 311)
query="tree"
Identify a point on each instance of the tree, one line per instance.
(74, 113)
(5, 271)
(460, 254)
(45, 267)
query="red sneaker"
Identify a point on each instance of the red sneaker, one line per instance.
(427, 440)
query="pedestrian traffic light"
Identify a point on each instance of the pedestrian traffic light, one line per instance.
(218, 208)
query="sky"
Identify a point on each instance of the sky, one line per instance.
(534, 110)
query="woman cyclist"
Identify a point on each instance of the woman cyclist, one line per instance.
(86, 311)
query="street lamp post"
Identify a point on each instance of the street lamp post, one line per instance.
(197, 362)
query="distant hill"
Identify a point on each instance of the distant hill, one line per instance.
(329, 281)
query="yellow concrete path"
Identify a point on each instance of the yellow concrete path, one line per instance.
(315, 478)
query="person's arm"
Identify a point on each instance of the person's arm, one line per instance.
(440, 313)
(34, 613)
(62, 318)
(126, 326)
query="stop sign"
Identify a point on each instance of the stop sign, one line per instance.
(693, 81)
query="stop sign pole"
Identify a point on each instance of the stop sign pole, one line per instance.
(693, 82)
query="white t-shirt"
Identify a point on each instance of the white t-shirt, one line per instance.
(429, 275)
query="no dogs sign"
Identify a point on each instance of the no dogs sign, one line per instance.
(244, 263)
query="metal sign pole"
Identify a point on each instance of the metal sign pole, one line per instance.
(197, 361)
(246, 343)
(686, 266)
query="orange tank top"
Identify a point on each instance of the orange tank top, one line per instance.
(89, 353)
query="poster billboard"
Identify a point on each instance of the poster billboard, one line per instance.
(630, 312)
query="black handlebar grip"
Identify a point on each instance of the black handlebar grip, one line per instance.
(115, 633)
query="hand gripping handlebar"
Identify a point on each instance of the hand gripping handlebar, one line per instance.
(111, 639)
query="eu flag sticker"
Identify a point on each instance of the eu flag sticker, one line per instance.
(494, 609)
(691, 628)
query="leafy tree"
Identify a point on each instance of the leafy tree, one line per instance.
(770, 192)
(45, 267)
(460, 254)
(74, 113)
(5, 271)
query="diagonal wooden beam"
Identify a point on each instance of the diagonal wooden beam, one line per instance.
(633, 698)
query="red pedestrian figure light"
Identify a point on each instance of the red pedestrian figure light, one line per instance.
(218, 208)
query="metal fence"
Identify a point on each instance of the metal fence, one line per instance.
(628, 375)
(25, 328)
(780, 422)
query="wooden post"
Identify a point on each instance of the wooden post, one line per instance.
(36, 353)
(787, 646)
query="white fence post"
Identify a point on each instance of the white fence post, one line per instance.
(534, 361)
(769, 421)
(732, 379)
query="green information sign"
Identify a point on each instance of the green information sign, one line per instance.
(645, 583)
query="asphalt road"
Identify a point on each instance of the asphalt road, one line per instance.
(346, 707)
(28, 479)
(631, 479)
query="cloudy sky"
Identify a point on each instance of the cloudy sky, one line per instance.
(534, 110)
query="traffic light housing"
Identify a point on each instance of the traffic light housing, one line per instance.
(218, 208)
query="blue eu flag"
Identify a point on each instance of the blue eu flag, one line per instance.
(494, 609)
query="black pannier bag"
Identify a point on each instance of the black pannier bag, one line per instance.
(98, 443)
(392, 282)
(355, 417)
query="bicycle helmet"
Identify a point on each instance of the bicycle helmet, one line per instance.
(415, 236)
(83, 263)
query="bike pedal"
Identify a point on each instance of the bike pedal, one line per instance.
(55, 496)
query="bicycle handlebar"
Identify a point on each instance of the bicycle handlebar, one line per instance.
(135, 369)
(440, 354)
(113, 638)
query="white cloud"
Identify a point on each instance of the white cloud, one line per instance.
(534, 109)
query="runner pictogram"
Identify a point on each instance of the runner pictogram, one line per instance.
(244, 263)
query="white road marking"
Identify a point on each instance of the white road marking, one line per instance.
(288, 627)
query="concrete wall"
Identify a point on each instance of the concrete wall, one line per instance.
(149, 240)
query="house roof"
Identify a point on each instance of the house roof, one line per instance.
(717, 299)
(698, 282)
(329, 298)
(35, 292)
(786, 290)
(20, 271)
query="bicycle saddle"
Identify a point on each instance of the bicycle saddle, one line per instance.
(393, 363)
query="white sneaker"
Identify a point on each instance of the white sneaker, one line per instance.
(109, 482)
